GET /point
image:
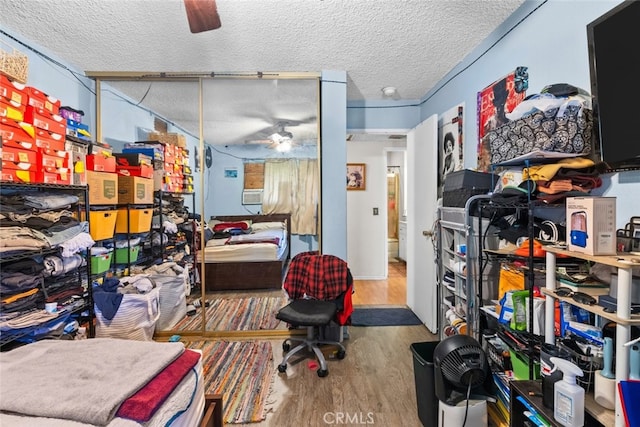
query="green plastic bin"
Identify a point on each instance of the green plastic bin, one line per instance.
(101, 263)
(121, 254)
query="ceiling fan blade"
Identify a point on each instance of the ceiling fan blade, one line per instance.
(202, 15)
(258, 141)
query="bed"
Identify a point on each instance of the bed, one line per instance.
(251, 261)
(105, 382)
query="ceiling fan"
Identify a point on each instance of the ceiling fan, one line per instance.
(278, 138)
(202, 15)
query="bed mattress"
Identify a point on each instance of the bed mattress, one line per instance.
(219, 250)
(184, 407)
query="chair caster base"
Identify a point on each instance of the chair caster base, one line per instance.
(322, 373)
(282, 368)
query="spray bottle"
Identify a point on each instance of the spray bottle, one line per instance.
(568, 397)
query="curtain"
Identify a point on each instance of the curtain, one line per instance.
(292, 186)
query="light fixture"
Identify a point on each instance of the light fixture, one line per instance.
(284, 145)
(389, 91)
(280, 135)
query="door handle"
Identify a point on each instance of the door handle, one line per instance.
(427, 233)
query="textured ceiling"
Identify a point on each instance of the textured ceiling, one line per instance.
(408, 44)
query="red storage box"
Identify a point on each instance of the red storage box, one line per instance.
(133, 159)
(60, 176)
(52, 159)
(142, 171)
(11, 110)
(101, 163)
(18, 133)
(15, 175)
(18, 158)
(43, 119)
(49, 141)
(40, 100)
(13, 91)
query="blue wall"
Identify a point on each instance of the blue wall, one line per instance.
(548, 37)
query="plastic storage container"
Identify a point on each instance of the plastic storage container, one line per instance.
(101, 263)
(102, 224)
(121, 254)
(139, 220)
(423, 371)
(520, 363)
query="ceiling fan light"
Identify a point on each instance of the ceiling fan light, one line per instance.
(284, 145)
(275, 137)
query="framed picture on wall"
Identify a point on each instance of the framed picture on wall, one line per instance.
(356, 177)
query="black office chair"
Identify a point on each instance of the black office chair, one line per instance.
(312, 314)
(320, 287)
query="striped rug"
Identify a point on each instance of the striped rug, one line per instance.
(243, 372)
(237, 314)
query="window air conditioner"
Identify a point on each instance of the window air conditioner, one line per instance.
(252, 197)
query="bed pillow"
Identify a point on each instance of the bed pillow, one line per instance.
(225, 226)
(259, 226)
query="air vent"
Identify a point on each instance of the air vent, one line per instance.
(252, 197)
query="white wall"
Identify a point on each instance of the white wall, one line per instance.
(366, 232)
(548, 37)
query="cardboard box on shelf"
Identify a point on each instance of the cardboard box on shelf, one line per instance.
(134, 189)
(591, 225)
(103, 187)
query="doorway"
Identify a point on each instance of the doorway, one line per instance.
(393, 212)
(374, 238)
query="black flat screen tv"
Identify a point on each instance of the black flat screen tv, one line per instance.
(614, 65)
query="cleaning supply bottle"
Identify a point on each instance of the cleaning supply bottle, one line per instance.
(568, 400)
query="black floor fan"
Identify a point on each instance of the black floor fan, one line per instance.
(462, 371)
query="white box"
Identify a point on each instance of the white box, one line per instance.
(591, 225)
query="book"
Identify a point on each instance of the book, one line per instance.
(591, 288)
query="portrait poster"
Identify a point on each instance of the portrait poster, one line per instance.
(494, 101)
(356, 176)
(450, 144)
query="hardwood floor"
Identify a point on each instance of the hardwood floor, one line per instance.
(392, 291)
(373, 384)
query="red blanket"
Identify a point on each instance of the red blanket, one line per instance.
(145, 402)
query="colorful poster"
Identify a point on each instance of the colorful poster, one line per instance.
(494, 101)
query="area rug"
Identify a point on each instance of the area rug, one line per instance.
(242, 372)
(237, 314)
(384, 317)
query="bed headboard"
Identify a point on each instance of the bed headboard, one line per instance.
(275, 217)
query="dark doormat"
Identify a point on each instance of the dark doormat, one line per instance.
(384, 317)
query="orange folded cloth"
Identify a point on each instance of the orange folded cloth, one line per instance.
(523, 250)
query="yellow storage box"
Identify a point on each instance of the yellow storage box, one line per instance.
(138, 220)
(102, 224)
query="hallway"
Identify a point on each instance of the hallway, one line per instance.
(392, 291)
